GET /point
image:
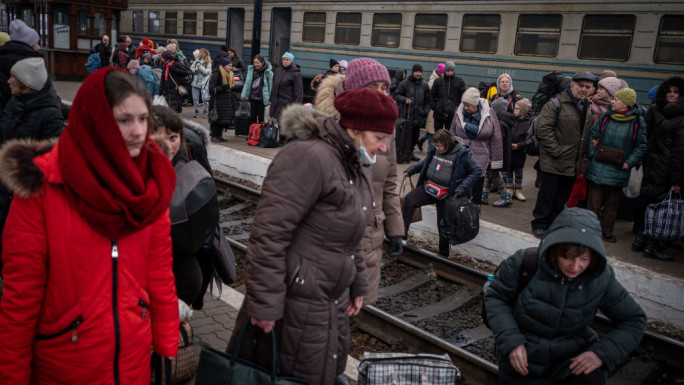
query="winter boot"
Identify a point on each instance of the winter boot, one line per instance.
(640, 241)
(485, 198)
(652, 250)
(420, 142)
(505, 200)
(196, 114)
(519, 195)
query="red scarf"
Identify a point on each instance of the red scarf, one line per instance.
(115, 193)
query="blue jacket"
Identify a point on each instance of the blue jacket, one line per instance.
(465, 173)
(266, 83)
(147, 76)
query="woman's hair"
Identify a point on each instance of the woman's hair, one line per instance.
(173, 41)
(664, 88)
(204, 55)
(231, 49)
(569, 250)
(444, 137)
(119, 85)
(163, 116)
(260, 58)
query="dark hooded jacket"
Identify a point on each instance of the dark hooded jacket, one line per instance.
(10, 53)
(304, 258)
(446, 96)
(518, 136)
(287, 88)
(418, 91)
(223, 97)
(553, 313)
(167, 86)
(399, 76)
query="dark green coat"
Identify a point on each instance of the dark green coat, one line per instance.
(552, 314)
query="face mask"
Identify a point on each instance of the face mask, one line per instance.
(366, 160)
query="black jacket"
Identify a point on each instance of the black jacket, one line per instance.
(418, 91)
(10, 53)
(446, 95)
(287, 88)
(37, 116)
(105, 53)
(506, 123)
(399, 76)
(518, 135)
(222, 96)
(167, 87)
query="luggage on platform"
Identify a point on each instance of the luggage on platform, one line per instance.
(255, 134)
(404, 138)
(404, 369)
(242, 126)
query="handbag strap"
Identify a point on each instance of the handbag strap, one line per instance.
(633, 136)
(157, 363)
(274, 353)
(172, 79)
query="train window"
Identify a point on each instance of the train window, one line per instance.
(430, 31)
(210, 24)
(99, 24)
(314, 27)
(480, 32)
(189, 23)
(171, 23)
(606, 37)
(27, 16)
(154, 22)
(538, 35)
(348, 28)
(670, 46)
(84, 22)
(386, 30)
(138, 21)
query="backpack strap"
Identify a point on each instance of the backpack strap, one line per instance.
(528, 267)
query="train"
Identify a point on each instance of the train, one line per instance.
(642, 42)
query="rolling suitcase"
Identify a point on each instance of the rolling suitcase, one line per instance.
(242, 119)
(404, 138)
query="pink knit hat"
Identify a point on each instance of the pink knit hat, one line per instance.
(440, 68)
(364, 71)
(612, 85)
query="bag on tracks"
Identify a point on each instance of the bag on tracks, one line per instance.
(255, 134)
(461, 220)
(404, 368)
(404, 138)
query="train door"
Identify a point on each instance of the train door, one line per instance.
(281, 21)
(235, 35)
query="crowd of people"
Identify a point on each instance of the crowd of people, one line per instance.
(87, 232)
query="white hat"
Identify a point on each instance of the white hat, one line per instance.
(31, 72)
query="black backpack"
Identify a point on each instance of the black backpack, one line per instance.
(461, 220)
(551, 85)
(531, 140)
(527, 270)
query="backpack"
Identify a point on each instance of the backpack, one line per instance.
(254, 137)
(528, 268)
(531, 140)
(269, 136)
(461, 220)
(194, 209)
(551, 85)
(206, 95)
(484, 87)
(94, 63)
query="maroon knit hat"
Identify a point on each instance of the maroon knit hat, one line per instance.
(364, 71)
(367, 110)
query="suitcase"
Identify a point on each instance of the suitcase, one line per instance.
(243, 110)
(404, 139)
(242, 126)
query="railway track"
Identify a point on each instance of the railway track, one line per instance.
(431, 304)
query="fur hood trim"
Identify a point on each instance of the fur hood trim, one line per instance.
(21, 174)
(299, 122)
(325, 95)
(199, 129)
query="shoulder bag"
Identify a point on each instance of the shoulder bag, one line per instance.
(181, 88)
(611, 155)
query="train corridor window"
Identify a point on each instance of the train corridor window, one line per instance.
(28, 17)
(386, 30)
(314, 27)
(210, 24)
(138, 21)
(538, 35)
(153, 22)
(430, 31)
(99, 24)
(606, 37)
(670, 45)
(189, 23)
(171, 23)
(348, 28)
(480, 33)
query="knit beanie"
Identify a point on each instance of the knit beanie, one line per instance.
(449, 66)
(333, 62)
(471, 96)
(289, 55)
(608, 74)
(364, 71)
(440, 68)
(499, 105)
(627, 96)
(31, 72)
(20, 31)
(146, 41)
(367, 110)
(224, 61)
(343, 64)
(417, 67)
(612, 85)
(4, 38)
(133, 65)
(524, 105)
(167, 55)
(147, 55)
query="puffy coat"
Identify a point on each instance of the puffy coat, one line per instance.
(287, 88)
(463, 176)
(563, 136)
(168, 88)
(147, 76)
(386, 216)
(223, 97)
(506, 123)
(518, 135)
(304, 259)
(616, 135)
(418, 91)
(65, 322)
(266, 83)
(552, 314)
(199, 72)
(665, 154)
(122, 57)
(488, 144)
(446, 95)
(37, 115)
(399, 76)
(10, 53)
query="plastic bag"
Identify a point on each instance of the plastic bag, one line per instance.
(634, 186)
(159, 100)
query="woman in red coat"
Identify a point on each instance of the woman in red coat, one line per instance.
(89, 288)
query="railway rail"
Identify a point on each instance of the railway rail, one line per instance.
(394, 322)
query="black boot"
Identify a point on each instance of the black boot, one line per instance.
(652, 250)
(639, 243)
(341, 380)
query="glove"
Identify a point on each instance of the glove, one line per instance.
(395, 247)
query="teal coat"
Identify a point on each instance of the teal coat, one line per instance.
(266, 84)
(552, 314)
(614, 135)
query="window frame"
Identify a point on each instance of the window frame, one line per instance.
(386, 27)
(208, 22)
(603, 33)
(168, 19)
(140, 19)
(347, 26)
(79, 22)
(151, 21)
(102, 20)
(538, 31)
(483, 29)
(313, 25)
(187, 19)
(430, 28)
(671, 35)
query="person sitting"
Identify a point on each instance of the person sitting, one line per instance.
(448, 170)
(542, 332)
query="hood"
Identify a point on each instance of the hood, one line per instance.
(661, 94)
(299, 122)
(399, 74)
(197, 128)
(326, 92)
(484, 112)
(674, 109)
(434, 75)
(580, 226)
(21, 174)
(510, 89)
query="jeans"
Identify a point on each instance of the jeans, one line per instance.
(196, 93)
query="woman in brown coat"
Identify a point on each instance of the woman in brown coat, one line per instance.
(305, 270)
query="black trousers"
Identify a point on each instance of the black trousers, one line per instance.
(256, 110)
(419, 198)
(554, 191)
(443, 122)
(188, 275)
(478, 187)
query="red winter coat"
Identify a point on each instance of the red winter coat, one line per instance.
(64, 317)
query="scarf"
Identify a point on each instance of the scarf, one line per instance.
(115, 194)
(472, 123)
(168, 67)
(227, 77)
(622, 117)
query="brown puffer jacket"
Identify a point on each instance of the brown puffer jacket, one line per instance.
(304, 258)
(386, 217)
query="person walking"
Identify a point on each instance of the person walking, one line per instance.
(200, 68)
(258, 86)
(287, 86)
(413, 94)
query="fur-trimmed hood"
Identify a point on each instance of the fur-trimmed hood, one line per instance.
(21, 175)
(302, 123)
(197, 128)
(326, 92)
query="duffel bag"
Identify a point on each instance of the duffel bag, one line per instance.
(405, 369)
(461, 220)
(665, 220)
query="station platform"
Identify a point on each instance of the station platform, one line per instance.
(657, 285)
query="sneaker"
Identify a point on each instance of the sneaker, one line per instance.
(205, 114)
(609, 238)
(196, 115)
(539, 233)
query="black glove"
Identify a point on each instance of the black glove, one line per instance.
(395, 247)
